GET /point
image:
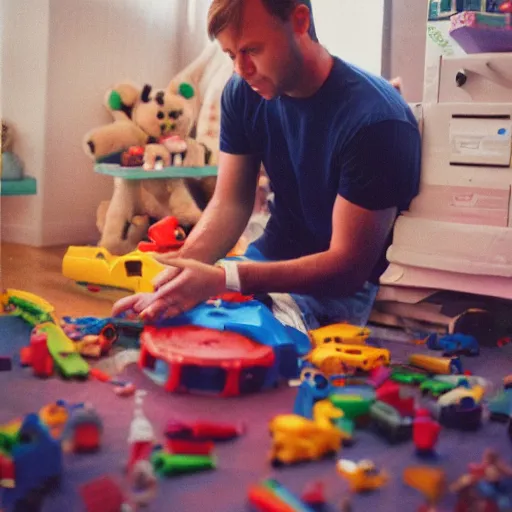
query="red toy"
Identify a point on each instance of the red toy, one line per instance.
(142, 436)
(203, 431)
(165, 235)
(506, 7)
(390, 393)
(37, 355)
(205, 360)
(7, 472)
(103, 494)
(133, 157)
(189, 447)
(233, 297)
(425, 432)
(314, 495)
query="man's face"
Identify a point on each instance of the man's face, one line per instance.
(264, 50)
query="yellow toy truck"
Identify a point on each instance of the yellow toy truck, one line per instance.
(95, 265)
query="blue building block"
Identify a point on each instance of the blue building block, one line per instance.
(37, 462)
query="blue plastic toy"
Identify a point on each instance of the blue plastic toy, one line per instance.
(454, 344)
(314, 386)
(255, 321)
(37, 461)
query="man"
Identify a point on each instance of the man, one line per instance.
(342, 152)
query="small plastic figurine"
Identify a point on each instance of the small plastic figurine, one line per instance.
(143, 485)
(425, 433)
(142, 435)
(492, 472)
(363, 476)
(83, 430)
(484, 485)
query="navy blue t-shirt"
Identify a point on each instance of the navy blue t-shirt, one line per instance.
(356, 136)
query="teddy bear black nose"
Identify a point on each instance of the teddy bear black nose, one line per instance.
(174, 114)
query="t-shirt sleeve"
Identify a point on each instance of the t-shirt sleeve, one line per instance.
(380, 166)
(233, 132)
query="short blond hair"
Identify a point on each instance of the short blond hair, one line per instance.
(223, 13)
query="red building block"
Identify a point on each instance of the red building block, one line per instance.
(390, 393)
(103, 494)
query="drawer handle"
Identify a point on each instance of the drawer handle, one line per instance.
(461, 77)
(496, 76)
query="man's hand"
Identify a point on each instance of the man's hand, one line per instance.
(178, 288)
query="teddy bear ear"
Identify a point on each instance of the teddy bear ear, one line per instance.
(145, 93)
(186, 90)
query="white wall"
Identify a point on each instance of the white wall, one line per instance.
(24, 49)
(350, 31)
(408, 41)
(60, 57)
(356, 34)
(193, 34)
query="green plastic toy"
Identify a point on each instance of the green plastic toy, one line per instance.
(436, 387)
(352, 406)
(64, 354)
(405, 377)
(168, 464)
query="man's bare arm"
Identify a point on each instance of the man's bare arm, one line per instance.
(227, 214)
(358, 239)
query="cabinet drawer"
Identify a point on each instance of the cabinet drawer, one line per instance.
(484, 78)
(475, 205)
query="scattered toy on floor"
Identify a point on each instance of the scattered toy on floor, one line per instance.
(454, 344)
(143, 485)
(83, 430)
(5, 364)
(362, 476)
(425, 433)
(104, 493)
(429, 481)
(272, 495)
(485, 484)
(298, 439)
(142, 436)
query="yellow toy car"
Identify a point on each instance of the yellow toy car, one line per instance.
(340, 359)
(95, 265)
(362, 476)
(339, 333)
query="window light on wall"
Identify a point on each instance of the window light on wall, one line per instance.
(352, 32)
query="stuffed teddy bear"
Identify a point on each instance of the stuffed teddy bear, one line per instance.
(143, 118)
(159, 123)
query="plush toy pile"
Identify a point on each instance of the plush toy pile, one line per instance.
(177, 125)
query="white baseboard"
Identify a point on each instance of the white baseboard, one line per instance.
(45, 235)
(21, 233)
(69, 233)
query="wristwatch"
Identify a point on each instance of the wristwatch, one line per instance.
(232, 276)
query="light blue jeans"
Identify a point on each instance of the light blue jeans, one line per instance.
(319, 311)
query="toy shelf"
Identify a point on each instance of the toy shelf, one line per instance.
(24, 187)
(137, 173)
